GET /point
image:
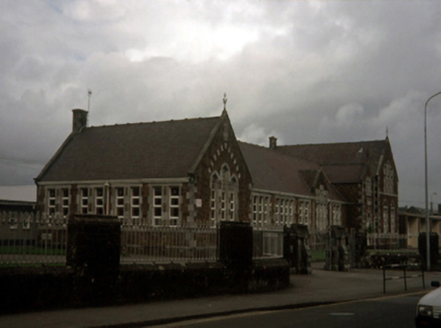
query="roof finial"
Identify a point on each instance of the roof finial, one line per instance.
(225, 101)
(387, 132)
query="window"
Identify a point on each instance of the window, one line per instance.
(265, 210)
(84, 202)
(223, 196)
(321, 216)
(119, 202)
(336, 214)
(231, 206)
(51, 199)
(232, 190)
(135, 203)
(213, 207)
(284, 211)
(385, 219)
(291, 212)
(276, 212)
(157, 206)
(99, 201)
(260, 207)
(304, 212)
(58, 201)
(65, 201)
(222, 205)
(174, 206)
(388, 174)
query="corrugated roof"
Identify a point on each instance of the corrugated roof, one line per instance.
(131, 151)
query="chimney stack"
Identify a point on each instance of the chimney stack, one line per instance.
(79, 120)
(272, 142)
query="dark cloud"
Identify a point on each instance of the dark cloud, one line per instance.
(306, 72)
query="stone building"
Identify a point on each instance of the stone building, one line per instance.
(287, 190)
(190, 171)
(364, 174)
(161, 173)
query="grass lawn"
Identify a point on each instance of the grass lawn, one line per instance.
(31, 250)
(318, 255)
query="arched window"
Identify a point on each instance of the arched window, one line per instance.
(388, 174)
(223, 196)
(385, 219)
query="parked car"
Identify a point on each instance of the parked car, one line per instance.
(428, 313)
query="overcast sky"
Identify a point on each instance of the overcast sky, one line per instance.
(305, 72)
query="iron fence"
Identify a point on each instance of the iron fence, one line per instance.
(267, 243)
(386, 240)
(27, 239)
(148, 244)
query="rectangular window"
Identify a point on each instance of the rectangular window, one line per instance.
(260, 210)
(99, 201)
(255, 212)
(84, 202)
(157, 206)
(65, 201)
(174, 206)
(213, 208)
(276, 211)
(336, 214)
(265, 209)
(223, 205)
(119, 202)
(135, 203)
(282, 212)
(51, 198)
(304, 212)
(386, 219)
(290, 212)
(231, 206)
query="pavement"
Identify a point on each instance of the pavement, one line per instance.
(320, 287)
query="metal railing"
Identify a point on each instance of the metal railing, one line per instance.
(26, 239)
(405, 273)
(386, 240)
(268, 243)
(29, 239)
(147, 244)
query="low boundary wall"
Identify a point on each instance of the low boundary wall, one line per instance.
(35, 289)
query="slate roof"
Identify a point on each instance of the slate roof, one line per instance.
(343, 162)
(131, 151)
(274, 171)
(351, 173)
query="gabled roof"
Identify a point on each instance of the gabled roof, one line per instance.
(274, 171)
(131, 151)
(351, 173)
(343, 162)
(315, 178)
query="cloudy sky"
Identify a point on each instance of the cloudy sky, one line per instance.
(303, 71)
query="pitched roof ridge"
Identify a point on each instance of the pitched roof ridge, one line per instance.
(155, 122)
(251, 144)
(334, 143)
(279, 153)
